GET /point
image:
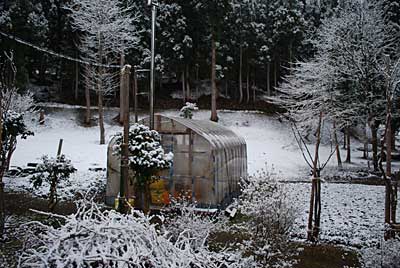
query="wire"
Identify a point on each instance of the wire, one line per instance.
(57, 54)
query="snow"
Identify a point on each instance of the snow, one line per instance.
(269, 142)
(351, 214)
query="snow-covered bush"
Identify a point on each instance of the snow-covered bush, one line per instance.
(96, 238)
(188, 222)
(187, 110)
(52, 171)
(146, 156)
(20, 103)
(13, 127)
(269, 215)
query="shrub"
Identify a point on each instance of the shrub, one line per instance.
(51, 171)
(269, 215)
(187, 110)
(96, 238)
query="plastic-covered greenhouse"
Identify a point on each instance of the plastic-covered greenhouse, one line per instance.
(209, 161)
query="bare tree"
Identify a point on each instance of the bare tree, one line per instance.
(107, 31)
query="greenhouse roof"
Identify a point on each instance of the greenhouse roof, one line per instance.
(218, 136)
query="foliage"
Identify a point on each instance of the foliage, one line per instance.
(187, 221)
(146, 155)
(187, 110)
(95, 238)
(271, 215)
(52, 171)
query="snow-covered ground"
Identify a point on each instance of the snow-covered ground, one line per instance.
(351, 214)
(268, 141)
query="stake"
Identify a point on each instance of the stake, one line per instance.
(60, 144)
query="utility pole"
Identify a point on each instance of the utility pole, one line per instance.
(125, 73)
(154, 5)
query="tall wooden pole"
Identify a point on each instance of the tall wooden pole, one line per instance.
(135, 95)
(152, 67)
(125, 143)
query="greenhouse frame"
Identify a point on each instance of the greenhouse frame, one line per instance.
(209, 162)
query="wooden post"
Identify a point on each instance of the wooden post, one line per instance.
(41, 117)
(60, 144)
(135, 94)
(121, 92)
(125, 145)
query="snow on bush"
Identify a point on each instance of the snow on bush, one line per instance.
(13, 127)
(188, 222)
(78, 185)
(270, 216)
(96, 238)
(187, 110)
(51, 171)
(146, 155)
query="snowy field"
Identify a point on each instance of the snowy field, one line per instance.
(269, 141)
(351, 214)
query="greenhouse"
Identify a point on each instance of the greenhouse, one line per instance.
(209, 161)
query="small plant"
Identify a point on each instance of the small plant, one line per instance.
(146, 157)
(52, 171)
(188, 109)
(270, 217)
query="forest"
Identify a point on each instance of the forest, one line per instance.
(302, 97)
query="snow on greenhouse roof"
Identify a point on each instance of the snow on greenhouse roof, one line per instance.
(218, 136)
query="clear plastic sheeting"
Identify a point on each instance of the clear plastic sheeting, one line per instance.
(209, 161)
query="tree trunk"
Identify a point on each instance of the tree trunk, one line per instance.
(393, 138)
(248, 83)
(389, 144)
(53, 200)
(226, 88)
(240, 76)
(183, 83)
(314, 218)
(348, 156)
(276, 74)
(100, 92)
(269, 79)
(338, 157)
(214, 116)
(88, 115)
(254, 85)
(2, 209)
(189, 93)
(76, 95)
(366, 143)
(374, 142)
(101, 117)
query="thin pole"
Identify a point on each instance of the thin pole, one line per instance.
(153, 41)
(124, 148)
(60, 144)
